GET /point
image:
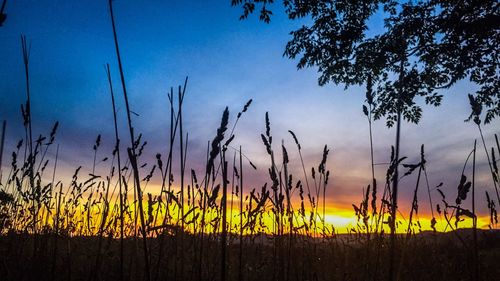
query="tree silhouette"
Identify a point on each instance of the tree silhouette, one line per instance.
(468, 36)
(445, 42)
(425, 46)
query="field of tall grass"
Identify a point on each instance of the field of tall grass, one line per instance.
(209, 224)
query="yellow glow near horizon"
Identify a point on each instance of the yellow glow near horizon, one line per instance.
(342, 221)
(337, 220)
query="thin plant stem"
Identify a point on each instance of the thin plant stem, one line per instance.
(474, 219)
(118, 155)
(489, 163)
(131, 150)
(2, 141)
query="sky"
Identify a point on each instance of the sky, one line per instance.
(228, 62)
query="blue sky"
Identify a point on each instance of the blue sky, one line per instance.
(228, 62)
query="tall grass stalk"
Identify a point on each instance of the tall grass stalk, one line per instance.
(132, 150)
(118, 157)
(182, 167)
(474, 218)
(489, 161)
(414, 204)
(2, 141)
(289, 211)
(240, 258)
(167, 175)
(368, 111)
(224, 217)
(26, 48)
(395, 181)
(56, 220)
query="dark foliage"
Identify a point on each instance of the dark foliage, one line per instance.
(435, 44)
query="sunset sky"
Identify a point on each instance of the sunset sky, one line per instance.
(228, 62)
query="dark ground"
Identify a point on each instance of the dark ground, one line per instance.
(426, 256)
